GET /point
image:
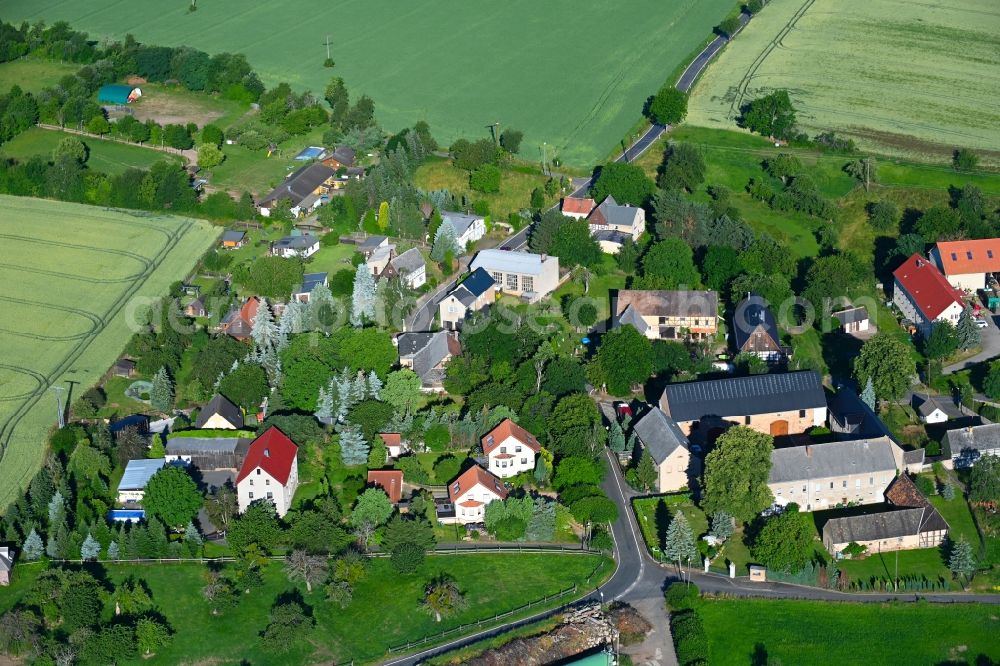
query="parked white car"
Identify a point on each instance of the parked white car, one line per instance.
(980, 323)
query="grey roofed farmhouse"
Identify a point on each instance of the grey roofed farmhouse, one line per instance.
(734, 396)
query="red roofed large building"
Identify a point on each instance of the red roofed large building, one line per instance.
(389, 480)
(965, 263)
(510, 449)
(270, 471)
(924, 296)
(472, 491)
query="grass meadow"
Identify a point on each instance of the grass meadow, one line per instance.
(573, 73)
(772, 631)
(384, 612)
(109, 157)
(74, 277)
(910, 79)
(32, 74)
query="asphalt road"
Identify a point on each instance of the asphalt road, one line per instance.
(991, 348)
(697, 66)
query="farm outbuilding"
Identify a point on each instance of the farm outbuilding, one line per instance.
(118, 94)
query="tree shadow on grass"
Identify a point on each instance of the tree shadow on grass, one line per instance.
(662, 522)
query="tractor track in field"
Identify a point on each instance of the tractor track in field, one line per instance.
(7, 428)
(741, 87)
(96, 321)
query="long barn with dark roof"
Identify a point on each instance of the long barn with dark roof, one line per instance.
(776, 404)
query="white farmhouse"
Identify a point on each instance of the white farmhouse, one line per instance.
(270, 471)
(472, 491)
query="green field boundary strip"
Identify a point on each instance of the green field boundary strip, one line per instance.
(21, 448)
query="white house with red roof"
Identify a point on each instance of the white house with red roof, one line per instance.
(924, 296)
(270, 471)
(394, 444)
(965, 263)
(578, 207)
(510, 449)
(472, 491)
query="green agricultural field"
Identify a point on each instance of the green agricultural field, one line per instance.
(907, 78)
(33, 75)
(74, 278)
(107, 156)
(573, 73)
(775, 631)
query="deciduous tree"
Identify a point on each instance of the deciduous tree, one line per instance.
(310, 569)
(172, 496)
(668, 106)
(888, 363)
(736, 473)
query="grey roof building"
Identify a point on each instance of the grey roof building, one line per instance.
(831, 459)
(299, 185)
(219, 412)
(739, 396)
(370, 244)
(894, 524)
(755, 330)
(425, 354)
(208, 453)
(139, 472)
(967, 445)
(660, 435)
(460, 221)
(408, 262)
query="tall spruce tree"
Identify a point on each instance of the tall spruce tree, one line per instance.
(679, 545)
(962, 562)
(264, 331)
(445, 241)
(374, 385)
(363, 298)
(868, 395)
(33, 547)
(646, 470)
(161, 396)
(353, 447)
(968, 335)
(324, 406)
(90, 549)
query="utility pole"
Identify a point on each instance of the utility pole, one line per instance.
(545, 146)
(328, 47)
(60, 415)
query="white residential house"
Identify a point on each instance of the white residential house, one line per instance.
(410, 267)
(475, 292)
(472, 491)
(510, 449)
(395, 445)
(924, 296)
(967, 445)
(302, 246)
(525, 274)
(270, 472)
(378, 260)
(966, 263)
(468, 228)
(930, 409)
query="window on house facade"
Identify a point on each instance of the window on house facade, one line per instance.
(270, 495)
(497, 277)
(517, 449)
(512, 281)
(258, 471)
(746, 420)
(844, 483)
(802, 413)
(524, 461)
(857, 484)
(251, 495)
(529, 283)
(251, 482)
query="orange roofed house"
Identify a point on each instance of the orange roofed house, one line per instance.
(270, 471)
(472, 491)
(389, 480)
(965, 263)
(578, 207)
(394, 444)
(510, 449)
(238, 323)
(924, 296)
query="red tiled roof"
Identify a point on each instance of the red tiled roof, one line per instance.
(391, 438)
(469, 504)
(969, 256)
(928, 289)
(454, 346)
(508, 428)
(249, 310)
(577, 205)
(389, 480)
(273, 452)
(472, 477)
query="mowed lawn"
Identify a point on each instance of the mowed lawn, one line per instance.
(803, 633)
(384, 612)
(911, 78)
(108, 156)
(573, 73)
(74, 279)
(32, 75)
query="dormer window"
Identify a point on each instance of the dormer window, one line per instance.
(954, 256)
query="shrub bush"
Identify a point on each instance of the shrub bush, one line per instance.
(681, 596)
(690, 640)
(407, 557)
